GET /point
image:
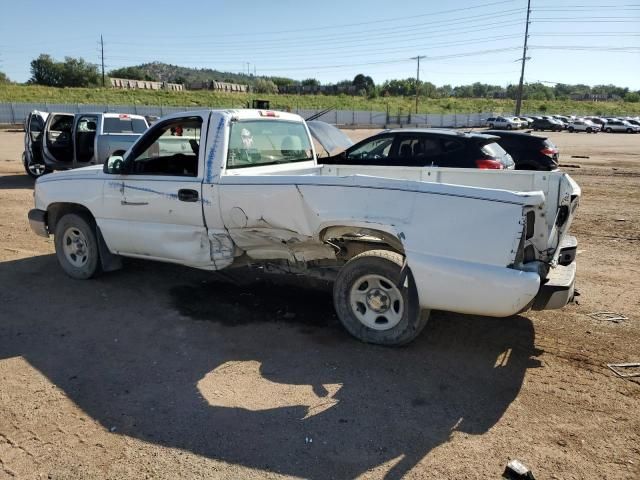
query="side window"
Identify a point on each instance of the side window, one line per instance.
(87, 125)
(172, 149)
(35, 128)
(452, 146)
(372, 150)
(419, 150)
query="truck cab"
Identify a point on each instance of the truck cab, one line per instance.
(82, 139)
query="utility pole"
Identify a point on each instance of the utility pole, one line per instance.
(418, 77)
(524, 59)
(248, 71)
(102, 58)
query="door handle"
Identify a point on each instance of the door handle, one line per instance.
(188, 195)
(124, 202)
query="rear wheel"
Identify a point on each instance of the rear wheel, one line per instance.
(77, 246)
(571, 129)
(376, 302)
(509, 127)
(629, 130)
(589, 130)
(608, 129)
(34, 170)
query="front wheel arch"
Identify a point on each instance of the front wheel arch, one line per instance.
(56, 211)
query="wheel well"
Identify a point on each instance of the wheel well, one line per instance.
(58, 210)
(350, 241)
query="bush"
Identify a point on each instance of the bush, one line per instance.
(632, 97)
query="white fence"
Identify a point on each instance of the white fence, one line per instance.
(15, 113)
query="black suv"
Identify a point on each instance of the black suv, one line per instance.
(546, 124)
(530, 152)
(424, 147)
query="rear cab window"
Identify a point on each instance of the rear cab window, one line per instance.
(254, 143)
(124, 124)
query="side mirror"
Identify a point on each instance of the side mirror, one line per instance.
(114, 165)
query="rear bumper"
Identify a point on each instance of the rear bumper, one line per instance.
(38, 222)
(464, 287)
(558, 290)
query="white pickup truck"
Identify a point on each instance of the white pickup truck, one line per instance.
(245, 188)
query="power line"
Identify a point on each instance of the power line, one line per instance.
(476, 23)
(386, 21)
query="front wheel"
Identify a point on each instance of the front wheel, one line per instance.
(509, 127)
(571, 130)
(629, 130)
(77, 246)
(608, 130)
(375, 302)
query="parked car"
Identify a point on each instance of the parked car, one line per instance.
(76, 140)
(583, 126)
(426, 147)
(598, 121)
(508, 123)
(621, 126)
(633, 121)
(393, 244)
(527, 121)
(32, 156)
(547, 124)
(529, 152)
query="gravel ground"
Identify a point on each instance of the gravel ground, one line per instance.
(159, 371)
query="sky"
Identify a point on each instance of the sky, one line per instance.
(464, 41)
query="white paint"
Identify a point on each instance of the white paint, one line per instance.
(460, 229)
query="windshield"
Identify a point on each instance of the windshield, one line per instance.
(124, 124)
(254, 143)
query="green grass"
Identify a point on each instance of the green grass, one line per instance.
(396, 105)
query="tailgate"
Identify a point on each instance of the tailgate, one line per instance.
(568, 198)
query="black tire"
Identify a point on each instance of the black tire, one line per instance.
(571, 129)
(608, 130)
(34, 171)
(589, 130)
(509, 127)
(85, 262)
(387, 266)
(629, 130)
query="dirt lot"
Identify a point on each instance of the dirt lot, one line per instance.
(157, 371)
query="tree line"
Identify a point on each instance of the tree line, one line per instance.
(76, 72)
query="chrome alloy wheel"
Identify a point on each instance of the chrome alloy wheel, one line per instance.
(75, 247)
(376, 302)
(36, 169)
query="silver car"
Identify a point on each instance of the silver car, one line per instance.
(620, 126)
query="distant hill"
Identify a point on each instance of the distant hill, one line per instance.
(164, 72)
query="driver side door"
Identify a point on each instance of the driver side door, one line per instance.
(154, 208)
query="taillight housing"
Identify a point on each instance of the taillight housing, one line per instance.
(549, 151)
(489, 164)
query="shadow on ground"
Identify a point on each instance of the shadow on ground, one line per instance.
(130, 347)
(13, 182)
